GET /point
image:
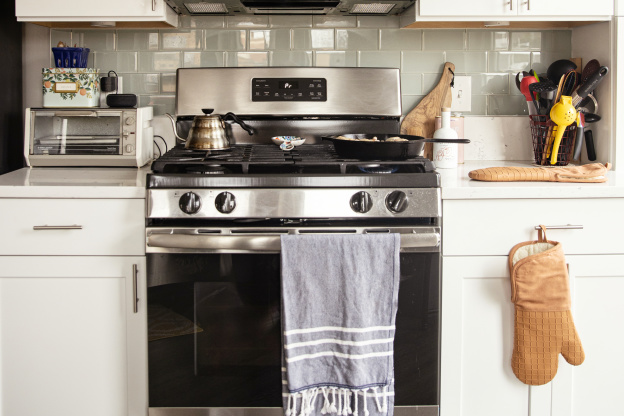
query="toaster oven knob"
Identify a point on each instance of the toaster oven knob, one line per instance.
(225, 202)
(361, 202)
(396, 201)
(130, 121)
(190, 202)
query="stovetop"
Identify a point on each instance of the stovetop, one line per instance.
(266, 165)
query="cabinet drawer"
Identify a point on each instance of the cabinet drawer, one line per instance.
(494, 226)
(72, 227)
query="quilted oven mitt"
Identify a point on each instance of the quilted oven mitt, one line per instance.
(543, 325)
(592, 173)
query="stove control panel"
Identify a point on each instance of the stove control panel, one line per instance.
(289, 89)
(346, 203)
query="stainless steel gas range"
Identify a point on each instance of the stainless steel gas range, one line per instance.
(215, 218)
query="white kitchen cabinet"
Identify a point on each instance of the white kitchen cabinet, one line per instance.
(71, 341)
(514, 8)
(478, 315)
(146, 11)
(73, 310)
(72, 226)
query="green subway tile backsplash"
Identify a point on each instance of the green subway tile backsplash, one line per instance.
(148, 58)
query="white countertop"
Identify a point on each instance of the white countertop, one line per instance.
(74, 183)
(457, 185)
(46, 182)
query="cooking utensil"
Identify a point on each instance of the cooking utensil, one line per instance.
(420, 121)
(519, 77)
(591, 117)
(544, 89)
(580, 130)
(558, 69)
(208, 132)
(590, 68)
(525, 83)
(589, 144)
(563, 114)
(590, 85)
(569, 83)
(359, 146)
(582, 106)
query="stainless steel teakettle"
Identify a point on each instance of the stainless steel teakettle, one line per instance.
(208, 132)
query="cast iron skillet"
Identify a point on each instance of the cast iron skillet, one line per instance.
(381, 149)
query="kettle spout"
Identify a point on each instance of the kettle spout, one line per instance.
(175, 129)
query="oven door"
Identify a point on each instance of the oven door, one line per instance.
(214, 320)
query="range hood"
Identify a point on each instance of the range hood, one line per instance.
(289, 7)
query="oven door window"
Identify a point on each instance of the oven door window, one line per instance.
(66, 134)
(214, 330)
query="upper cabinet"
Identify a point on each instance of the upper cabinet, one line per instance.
(510, 10)
(80, 13)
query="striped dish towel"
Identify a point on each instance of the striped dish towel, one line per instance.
(339, 302)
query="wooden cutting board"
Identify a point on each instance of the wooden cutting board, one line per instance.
(421, 120)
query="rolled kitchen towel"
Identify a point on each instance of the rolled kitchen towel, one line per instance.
(591, 173)
(339, 303)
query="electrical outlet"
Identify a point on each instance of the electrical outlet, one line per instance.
(462, 94)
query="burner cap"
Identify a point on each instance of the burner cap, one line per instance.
(208, 169)
(378, 168)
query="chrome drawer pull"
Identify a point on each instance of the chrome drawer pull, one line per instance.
(57, 227)
(135, 288)
(561, 227)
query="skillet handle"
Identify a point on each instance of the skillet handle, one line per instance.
(446, 141)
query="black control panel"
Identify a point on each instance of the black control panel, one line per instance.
(289, 89)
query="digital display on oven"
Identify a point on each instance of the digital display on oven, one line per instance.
(289, 89)
(288, 85)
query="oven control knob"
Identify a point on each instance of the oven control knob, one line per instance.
(190, 202)
(396, 201)
(361, 202)
(225, 202)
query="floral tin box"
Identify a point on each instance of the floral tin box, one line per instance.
(71, 87)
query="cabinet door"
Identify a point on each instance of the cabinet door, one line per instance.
(594, 387)
(565, 8)
(468, 8)
(477, 340)
(82, 8)
(71, 343)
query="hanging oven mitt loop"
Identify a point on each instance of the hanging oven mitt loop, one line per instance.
(543, 326)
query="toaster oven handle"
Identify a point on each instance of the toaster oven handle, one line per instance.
(258, 243)
(75, 113)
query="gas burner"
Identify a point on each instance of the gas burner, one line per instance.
(375, 168)
(208, 169)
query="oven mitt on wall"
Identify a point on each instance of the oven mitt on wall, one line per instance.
(543, 325)
(591, 173)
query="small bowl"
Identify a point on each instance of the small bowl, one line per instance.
(294, 140)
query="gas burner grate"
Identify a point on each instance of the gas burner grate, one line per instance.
(248, 159)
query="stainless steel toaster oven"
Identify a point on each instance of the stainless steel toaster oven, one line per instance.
(88, 136)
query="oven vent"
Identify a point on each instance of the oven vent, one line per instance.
(294, 7)
(206, 8)
(306, 7)
(372, 8)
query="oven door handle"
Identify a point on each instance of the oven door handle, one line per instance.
(259, 243)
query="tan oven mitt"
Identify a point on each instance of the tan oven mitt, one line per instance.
(543, 325)
(591, 173)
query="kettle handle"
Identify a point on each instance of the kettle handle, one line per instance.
(238, 121)
(175, 128)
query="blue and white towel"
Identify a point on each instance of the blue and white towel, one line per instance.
(339, 303)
